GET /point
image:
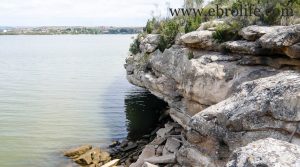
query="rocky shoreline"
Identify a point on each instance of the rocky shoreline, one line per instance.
(229, 97)
(234, 104)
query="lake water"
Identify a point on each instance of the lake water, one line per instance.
(57, 92)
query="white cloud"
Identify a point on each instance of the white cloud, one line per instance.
(80, 12)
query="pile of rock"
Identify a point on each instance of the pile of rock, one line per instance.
(92, 157)
(127, 151)
(162, 150)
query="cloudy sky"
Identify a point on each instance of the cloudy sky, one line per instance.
(81, 12)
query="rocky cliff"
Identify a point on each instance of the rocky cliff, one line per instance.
(230, 98)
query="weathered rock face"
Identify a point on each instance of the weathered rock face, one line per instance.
(224, 100)
(283, 37)
(243, 47)
(252, 33)
(149, 43)
(267, 152)
(262, 108)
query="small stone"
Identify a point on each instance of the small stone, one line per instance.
(85, 159)
(165, 159)
(164, 131)
(76, 152)
(159, 150)
(158, 140)
(94, 156)
(114, 144)
(124, 143)
(147, 164)
(130, 146)
(142, 142)
(104, 156)
(148, 151)
(111, 163)
(172, 146)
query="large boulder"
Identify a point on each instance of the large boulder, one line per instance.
(76, 152)
(150, 43)
(280, 38)
(200, 39)
(93, 156)
(252, 33)
(267, 152)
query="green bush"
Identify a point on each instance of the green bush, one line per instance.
(150, 26)
(227, 32)
(190, 55)
(192, 23)
(168, 31)
(135, 46)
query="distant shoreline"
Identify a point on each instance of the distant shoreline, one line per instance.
(71, 30)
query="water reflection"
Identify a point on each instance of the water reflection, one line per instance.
(142, 112)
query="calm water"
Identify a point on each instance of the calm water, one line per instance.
(62, 91)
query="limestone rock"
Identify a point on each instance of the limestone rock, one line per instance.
(147, 152)
(172, 146)
(111, 163)
(199, 39)
(293, 51)
(223, 101)
(149, 43)
(76, 152)
(252, 33)
(165, 159)
(164, 131)
(188, 156)
(283, 37)
(266, 107)
(266, 152)
(85, 159)
(243, 47)
(94, 155)
(147, 164)
(159, 150)
(104, 156)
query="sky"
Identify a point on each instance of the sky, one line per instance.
(82, 12)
